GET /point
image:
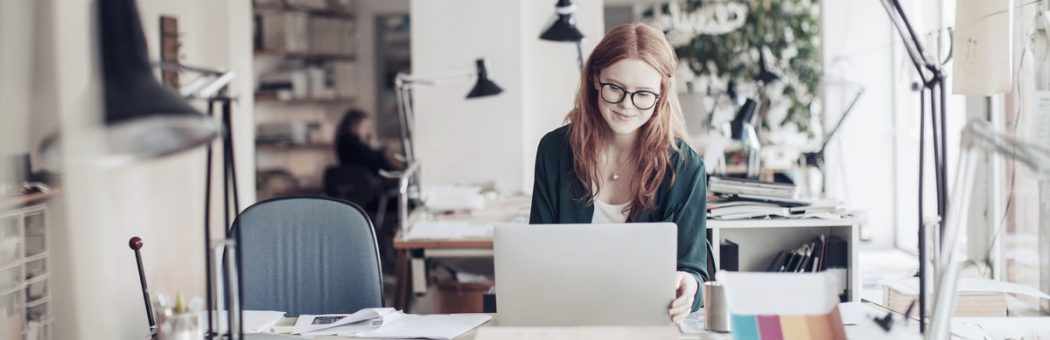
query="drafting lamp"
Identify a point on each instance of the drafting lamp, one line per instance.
(742, 130)
(816, 158)
(977, 136)
(142, 119)
(933, 79)
(563, 28)
(404, 83)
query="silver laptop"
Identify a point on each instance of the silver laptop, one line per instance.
(585, 274)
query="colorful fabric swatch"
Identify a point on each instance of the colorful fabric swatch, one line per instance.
(789, 327)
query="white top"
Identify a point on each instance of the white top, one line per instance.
(609, 213)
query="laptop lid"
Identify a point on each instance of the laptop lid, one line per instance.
(585, 274)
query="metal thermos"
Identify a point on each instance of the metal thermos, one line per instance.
(716, 313)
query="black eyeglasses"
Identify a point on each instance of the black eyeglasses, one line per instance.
(614, 94)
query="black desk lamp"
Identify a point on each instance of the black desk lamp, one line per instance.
(484, 87)
(742, 129)
(143, 120)
(563, 28)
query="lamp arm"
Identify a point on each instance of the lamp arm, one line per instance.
(434, 80)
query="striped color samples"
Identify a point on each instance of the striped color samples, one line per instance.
(788, 327)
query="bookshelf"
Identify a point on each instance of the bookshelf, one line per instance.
(306, 77)
(761, 239)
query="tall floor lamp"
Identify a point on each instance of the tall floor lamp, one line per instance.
(563, 28)
(143, 120)
(933, 79)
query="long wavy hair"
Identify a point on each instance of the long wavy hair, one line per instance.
(589, 134)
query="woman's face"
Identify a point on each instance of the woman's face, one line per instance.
(628, 91)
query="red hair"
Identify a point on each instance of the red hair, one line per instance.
(589, 133)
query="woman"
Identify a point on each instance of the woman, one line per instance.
(623, 155)
(355, 144)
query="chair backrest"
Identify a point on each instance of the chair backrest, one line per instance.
(355, 183)
(308, 255)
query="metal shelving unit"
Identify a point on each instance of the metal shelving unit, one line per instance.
(25, 292)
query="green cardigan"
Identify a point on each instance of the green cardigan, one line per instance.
(557, 197)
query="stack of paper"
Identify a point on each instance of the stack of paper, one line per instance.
(388, 323)
(443, 198)
(439, 230)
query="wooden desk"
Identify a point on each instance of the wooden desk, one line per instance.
(411, 254)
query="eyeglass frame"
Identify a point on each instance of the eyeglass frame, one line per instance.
(626, 94)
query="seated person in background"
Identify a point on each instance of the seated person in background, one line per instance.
(356, 144)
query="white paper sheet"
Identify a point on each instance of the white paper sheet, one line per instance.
(314, 323)
(440, 326)
(360, 326)
(439, 230)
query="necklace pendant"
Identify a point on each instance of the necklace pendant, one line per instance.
(616, 177)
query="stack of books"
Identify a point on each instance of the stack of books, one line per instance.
(737, 199)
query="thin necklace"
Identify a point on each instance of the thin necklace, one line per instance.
(616, 172)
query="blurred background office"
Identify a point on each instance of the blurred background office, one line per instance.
(299, 66)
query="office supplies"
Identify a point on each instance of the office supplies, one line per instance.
(136, 244)
(716, 312)
(783, 305)
(633, 262)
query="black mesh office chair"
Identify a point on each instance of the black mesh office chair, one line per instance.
(309, 255)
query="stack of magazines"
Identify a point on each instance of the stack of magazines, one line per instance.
(755, 190)
(738, 198)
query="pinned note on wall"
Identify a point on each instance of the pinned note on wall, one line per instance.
(983, 47)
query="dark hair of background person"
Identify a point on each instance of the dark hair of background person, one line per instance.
(352, 149)
(350, 118)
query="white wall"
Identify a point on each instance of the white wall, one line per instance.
(95, 279)
(490, 139)
(860, 163)
(551, 74)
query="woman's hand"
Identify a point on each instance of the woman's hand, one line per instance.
(685, 293)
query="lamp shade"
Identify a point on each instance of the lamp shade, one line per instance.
(484, 87)
(563, 28)
(743, 118)
(143, 119)
(765, 74)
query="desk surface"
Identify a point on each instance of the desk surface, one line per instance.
(865, 330)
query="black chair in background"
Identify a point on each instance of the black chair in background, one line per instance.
(362, 186)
